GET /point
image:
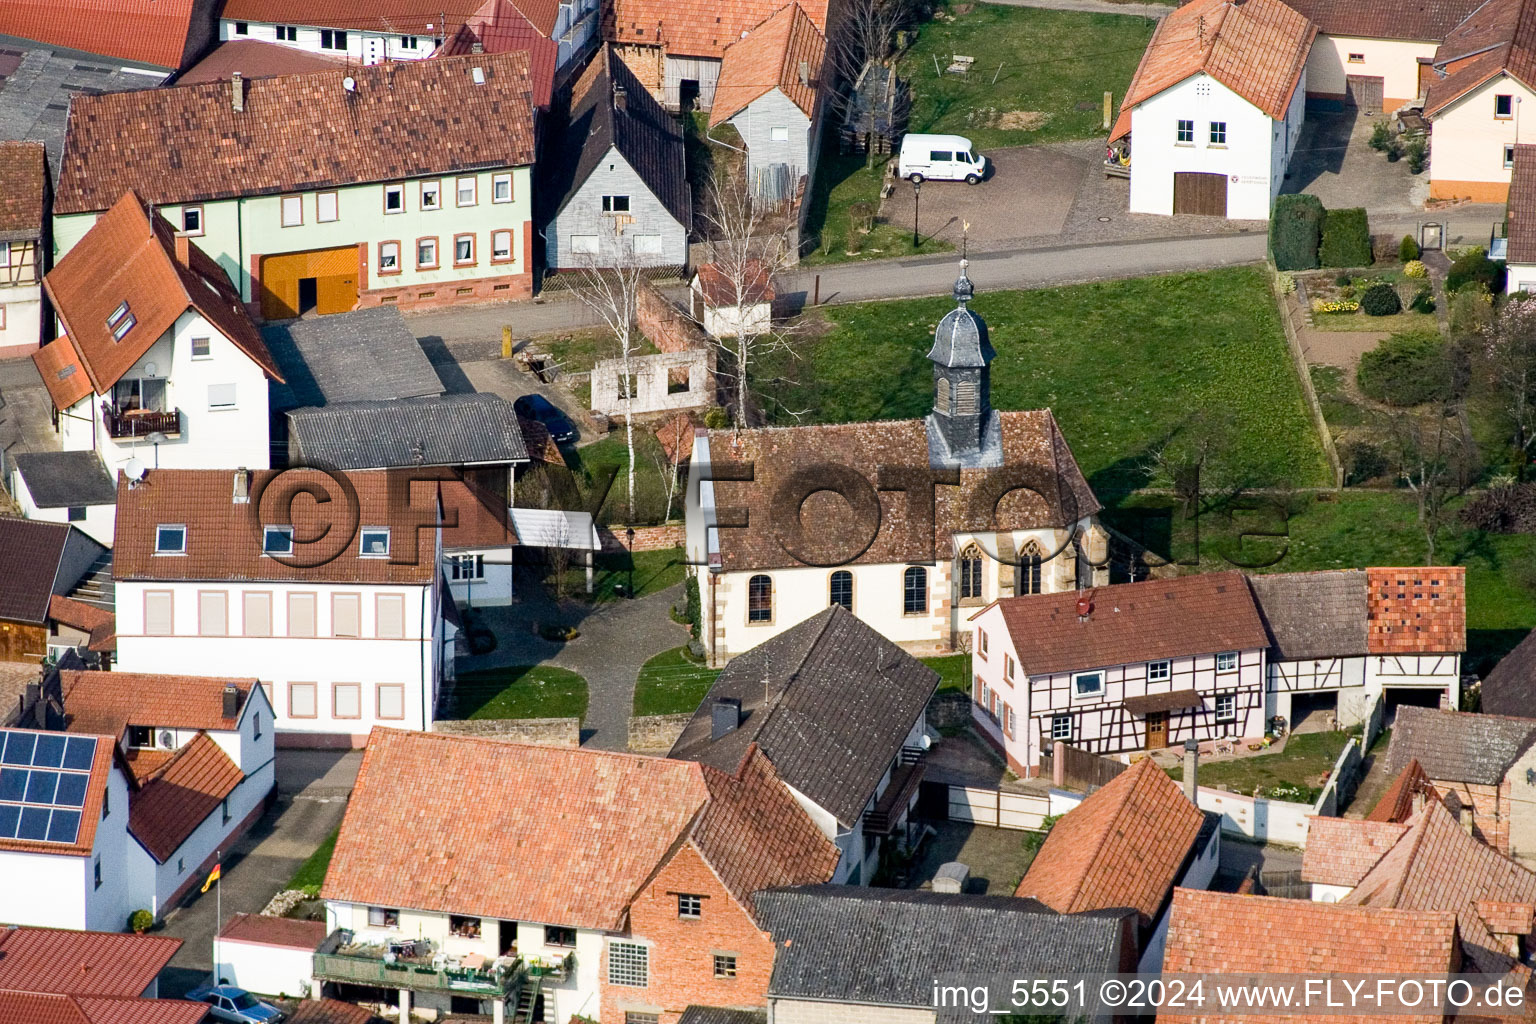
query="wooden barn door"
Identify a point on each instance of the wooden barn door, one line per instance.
(1366, 93)
(331, 276)
(1200, 192)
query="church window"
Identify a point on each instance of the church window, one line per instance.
(941, 395)
(760, 599)
(965, 398)
(1029, 570)
(970, 573)
(914, 599)
(840, 589)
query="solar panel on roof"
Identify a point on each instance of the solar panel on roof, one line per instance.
(43, 785)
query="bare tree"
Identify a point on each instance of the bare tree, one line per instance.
(671, 474)
(865, 32)
(1427, 450)
(1509, 368)
(749, 247)
(613, 293)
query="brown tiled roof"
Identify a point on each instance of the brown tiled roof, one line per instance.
(1257, 49)
(30, 553)
(719, 286)
(1454, 746)
(255, 58)
(1217, 933)
(1510, 688)
(224, 538)
(330, 1011)
(1397, 804)
(393, 16)
(1131, 622)
(1497, 36)
(131, 256)
(1418, 611)
(500, 27)
(1034, 450)
(404, 119)
(98, 622)
(676, 437)
(1522, 206)
(696, 30)
(770, 56)
(274, 931)
(591, 828)
(1418, 20)
(1340, 851)
(63, 374)
(107, 702)
(1436, 865)
(180, 795)
(23, 182)
(114, 1010)
(82, 963)
(147, 31)
(143, 762)
(1123, 846)
(90, 814)
(480, 517)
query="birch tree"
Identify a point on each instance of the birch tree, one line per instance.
(613, 294)
(1509, 370)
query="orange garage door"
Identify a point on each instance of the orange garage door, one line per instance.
(321, 279)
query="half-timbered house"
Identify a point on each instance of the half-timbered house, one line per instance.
(23, 201)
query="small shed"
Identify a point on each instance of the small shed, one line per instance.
(726, 302)
(274, 956)
(951, 877)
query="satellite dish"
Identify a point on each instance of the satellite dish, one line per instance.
(349, 83)
(149, 369)
(926, 741)
(134, 470)
(167, 740)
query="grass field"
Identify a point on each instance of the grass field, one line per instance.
(1305, 762)
(670, 684)
(1123, 364)
(312, 871)
(646, 571)
(954, 671)
(521, 691)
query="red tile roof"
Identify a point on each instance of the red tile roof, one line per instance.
(147, 31)
(1215, 933)
(1257, 49)
(63, 374)
(676, 437)
(1341, 850)
(98, 622)
(770, 56)
(274, 931)
(591, 827)
(180, 795)
(1417, 611)
(82, 963)
(1124, 846)
(696, 30)
(85, 838)
(103, 1010)
(132, 256)
(254, 58)
(224, 538)
(1522, 206)
(500, 27)
(330, 1011)
(1499, 36)
(1417, 20)
(107, 702)
(1436, 865)
(1132, 622)
(33, 1008)
(402, 119)
(1397, 804)
(719, 285)
(23, 183)
(394, 16)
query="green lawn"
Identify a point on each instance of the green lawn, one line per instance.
(521, 691)
(840, 182)
(1304, 763)
(594, 461)
(647, 571)
(312, 871)
(579, 351)
(954, 671)
(1123, 364)
(670, 684)
(1041, 67)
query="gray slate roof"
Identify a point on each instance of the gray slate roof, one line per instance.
(887, 946)
(961, 337)
(369, 354)
(1456, 746)
(1314, 614)
(1510, 688)
(722, 1015)
(30, 553)
(829, 701)
(649, 138)
(62, 479)
(38, 81)
(454, 430)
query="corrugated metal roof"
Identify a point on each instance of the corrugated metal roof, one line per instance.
(454, 430)
(365, 355)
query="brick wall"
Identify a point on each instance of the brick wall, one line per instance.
(544, 732)
(682, 951)
(666, 325)
(647, 538)
(801, 1011)
(1490, 809)
(655, 734)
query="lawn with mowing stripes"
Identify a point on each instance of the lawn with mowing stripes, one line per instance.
(521, 691)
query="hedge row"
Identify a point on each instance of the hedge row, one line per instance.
(1346, 239)
(1304, 236)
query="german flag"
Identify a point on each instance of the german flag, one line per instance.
(213, 876)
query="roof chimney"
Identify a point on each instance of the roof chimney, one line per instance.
(805, 72)
(183, 249)
(1466, 818)
(231, 700)
(242, 492)
(236, 92)
(620, 98)
(1191, 768)
(724, 717)
(477, 47)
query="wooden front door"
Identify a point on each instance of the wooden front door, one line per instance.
(1200, 192)
(1365, 92)
(1157, 730)
(333, 273)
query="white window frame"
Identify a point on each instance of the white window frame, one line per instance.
(1159, 671)
(497, 181)
(268, 532)
(778, 133)
(161, 548)
(1058, 732)
(362, 541)
(291, 211)
(434, 189)
(1179, 131)
(197, 210)
(397, 190)
(1229, 700)
(1509, 155)
(474, 191)
(121, 321)
(320, 204)
(1226, 661)
(497, 257)
(436, 257)
(207, 345)
(1097, 691)
(629, 963)
(389, 257)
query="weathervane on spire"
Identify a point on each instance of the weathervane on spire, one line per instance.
(964, 290)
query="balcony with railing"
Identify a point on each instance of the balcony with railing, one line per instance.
(893, 803)
(126, 423)
(414, 965)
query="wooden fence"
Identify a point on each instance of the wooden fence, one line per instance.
(1080, 770)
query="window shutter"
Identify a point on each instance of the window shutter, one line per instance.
(391, 613)
(301, 614)
(258, 614)
(158, 613)
(391, 700)
(345, 613)
(213, 613)
(941, 394)
(965, 398)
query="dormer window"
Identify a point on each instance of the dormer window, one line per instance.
(121, 321)
(277, 540)
(141, 736)
(170, 540)
(375, 542)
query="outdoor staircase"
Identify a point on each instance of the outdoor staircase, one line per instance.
(96, 586)
(527, 999)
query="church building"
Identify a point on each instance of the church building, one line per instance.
(912, 525)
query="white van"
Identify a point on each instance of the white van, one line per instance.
(940, 157)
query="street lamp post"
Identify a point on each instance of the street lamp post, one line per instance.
(629, 535)
(917, 188)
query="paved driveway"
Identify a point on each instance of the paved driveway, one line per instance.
(1334, 161)
(1028, 192)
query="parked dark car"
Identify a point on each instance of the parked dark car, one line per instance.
(537, 407)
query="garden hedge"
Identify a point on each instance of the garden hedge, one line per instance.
(1473, 267)
(1295, 231)
(1380, 300)
(1407, 369)
(1346, 239)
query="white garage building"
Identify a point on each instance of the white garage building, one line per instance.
(1214, 109)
